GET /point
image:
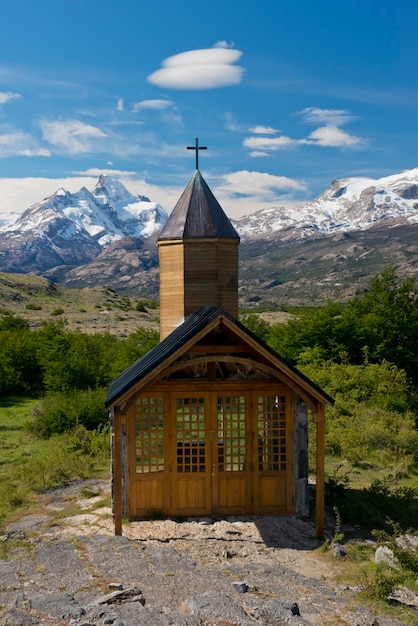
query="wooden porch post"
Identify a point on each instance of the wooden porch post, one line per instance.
(320, 460)
(117, 471)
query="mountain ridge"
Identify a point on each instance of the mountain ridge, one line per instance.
(347, 204)
(73, 228)
(326, 248)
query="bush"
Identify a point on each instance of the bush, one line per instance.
(371, 506)
(20, 371)
(373, 416)
(141, 306)
(387, 579)
(62, 412)
(33, 307)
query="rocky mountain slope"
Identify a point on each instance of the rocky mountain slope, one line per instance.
(348, 204)
(91, 309)
(325, 249)
(72, 229)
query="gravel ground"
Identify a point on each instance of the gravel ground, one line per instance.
(63, 566)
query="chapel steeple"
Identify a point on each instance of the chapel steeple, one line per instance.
(198, 250)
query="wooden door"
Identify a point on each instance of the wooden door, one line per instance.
(192, 453)
(273, 465)
(148, 467)
(231, 484)
(212, 452)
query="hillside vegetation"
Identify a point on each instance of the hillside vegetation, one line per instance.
(91, 309)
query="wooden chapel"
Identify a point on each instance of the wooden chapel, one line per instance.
(211, 421)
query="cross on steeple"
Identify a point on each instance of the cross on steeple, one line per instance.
(197, 148)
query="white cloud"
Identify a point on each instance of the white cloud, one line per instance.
(258, 153)
(328, 135)
(232, 125)
(71, 136)
(223, 44)
(96, 171)
(243, 192)
(334, 137)
(124, 123)
(256, 183)
(336, 117)
(157, 105)
(17, 194)
(8, 96)
(199, 69)
(239, 193)
(119, 105)
(268, 143)
(263, 130)
(18, 143)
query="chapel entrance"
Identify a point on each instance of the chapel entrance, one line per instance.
(216, 452)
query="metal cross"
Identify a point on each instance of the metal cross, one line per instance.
(197, 148)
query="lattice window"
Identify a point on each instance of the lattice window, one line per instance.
(190, 434)
(231, 433)
(149, 425)
(272, 432)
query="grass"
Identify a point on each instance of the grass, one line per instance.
(364, 474)
(16, 444)
(29, 465)
(367, 497)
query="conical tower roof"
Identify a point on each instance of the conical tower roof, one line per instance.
(198, 215)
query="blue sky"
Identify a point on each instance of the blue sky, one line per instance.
(287, 95)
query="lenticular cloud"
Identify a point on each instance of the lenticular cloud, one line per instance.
(199, 69)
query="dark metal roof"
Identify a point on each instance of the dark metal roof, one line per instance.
(198, 215)
(143, 366)
(179, 337)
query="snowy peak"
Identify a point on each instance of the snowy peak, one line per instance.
(107, 214)
(68, 228)
(348, 204)
(109, 190)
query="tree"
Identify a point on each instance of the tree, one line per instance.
(389, 316)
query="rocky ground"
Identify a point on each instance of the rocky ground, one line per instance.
(62, 566)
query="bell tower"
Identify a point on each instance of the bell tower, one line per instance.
(198, 253)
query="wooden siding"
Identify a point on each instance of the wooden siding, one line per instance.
(196, 273)
(171, 286)
(211, 275)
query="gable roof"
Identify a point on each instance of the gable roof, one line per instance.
(197, 215)
(173, 346)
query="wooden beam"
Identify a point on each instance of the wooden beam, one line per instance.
(320, 478)
(226, 349)
(117, 470)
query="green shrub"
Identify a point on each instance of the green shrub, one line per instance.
(371, 506)
(62, 412)
(33, 307)
(57, 311)
(374, 412)
(9, 321)
(387, 579)
(141, 306)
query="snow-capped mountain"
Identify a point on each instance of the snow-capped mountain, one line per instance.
(105, 236)
(348, 204)
(8, 218)
(73, 228)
